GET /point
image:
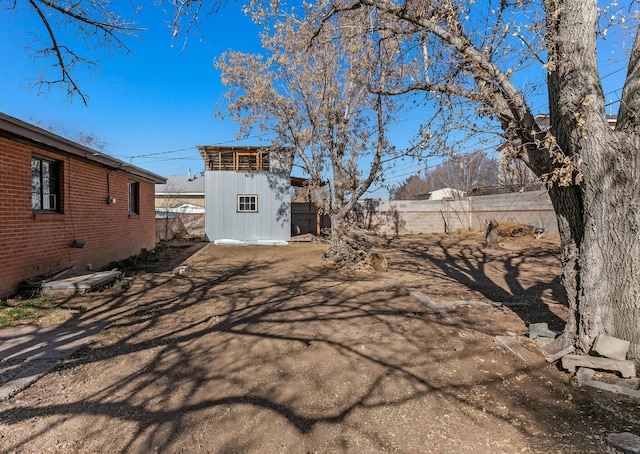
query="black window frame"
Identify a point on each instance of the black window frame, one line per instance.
(133, 190)
(247, 206)
(49, 185)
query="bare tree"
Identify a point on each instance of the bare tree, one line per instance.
(462, 172)
(410, 188)
(465, 172)
(99, 25)
(473, 50)
(89, 140)
(516, 176)
(311, 95)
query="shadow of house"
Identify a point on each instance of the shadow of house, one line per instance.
(66, 206)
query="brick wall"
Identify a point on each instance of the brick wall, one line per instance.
(35, 244)
(399, 217)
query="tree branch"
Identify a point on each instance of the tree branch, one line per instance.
(629, 114)
(55, 47)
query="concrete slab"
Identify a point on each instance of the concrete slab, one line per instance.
(26, 375)
(585, 377)
(626, 368)
(81, 283)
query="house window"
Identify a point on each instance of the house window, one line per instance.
(247, 203)
(45, 185)
(134, 197)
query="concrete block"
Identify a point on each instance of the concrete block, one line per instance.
(541, 330)
(611, 347)
(556, 356)
(626, 442)
(585, 377)
(626, 368)
(542, 342)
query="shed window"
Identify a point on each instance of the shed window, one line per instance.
(45, 185)
(134, 197)
(247, 203)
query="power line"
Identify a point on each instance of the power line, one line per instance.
(155, 154)
(260, 136)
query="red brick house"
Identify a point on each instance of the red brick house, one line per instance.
(63, 205)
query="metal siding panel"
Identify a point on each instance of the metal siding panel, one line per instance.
(222, 221)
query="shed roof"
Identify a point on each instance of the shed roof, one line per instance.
(29, 134)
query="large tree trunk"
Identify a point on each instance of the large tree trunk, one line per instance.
(350, 247)
(601, 251)
(599, 215)
(610, 255)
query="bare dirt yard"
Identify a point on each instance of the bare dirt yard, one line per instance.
(268, 350)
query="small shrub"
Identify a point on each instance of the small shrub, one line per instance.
(16, 310)
(144, 261)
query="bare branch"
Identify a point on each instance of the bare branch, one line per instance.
(629, 115)
(57, 49)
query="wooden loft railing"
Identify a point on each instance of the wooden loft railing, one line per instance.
(238, 161)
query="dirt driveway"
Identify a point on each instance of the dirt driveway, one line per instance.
(266, 350)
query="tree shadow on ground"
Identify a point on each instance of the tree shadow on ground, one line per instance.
(494, 273)
(247, 354)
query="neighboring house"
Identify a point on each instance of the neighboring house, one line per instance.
(180, 190)
(64, 206)
(177, 211)
(443, 194)
(247, 195)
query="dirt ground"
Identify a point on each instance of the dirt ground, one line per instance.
(268, 350)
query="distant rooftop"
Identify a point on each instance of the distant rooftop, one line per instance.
(182, 185)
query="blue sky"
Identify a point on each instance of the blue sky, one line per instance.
(155, 100)
(160, 100)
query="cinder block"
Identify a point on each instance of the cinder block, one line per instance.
(611, 347)
(541, 330)
(625, 441)
(626, 368)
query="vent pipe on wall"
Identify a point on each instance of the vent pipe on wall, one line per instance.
(78, 243)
